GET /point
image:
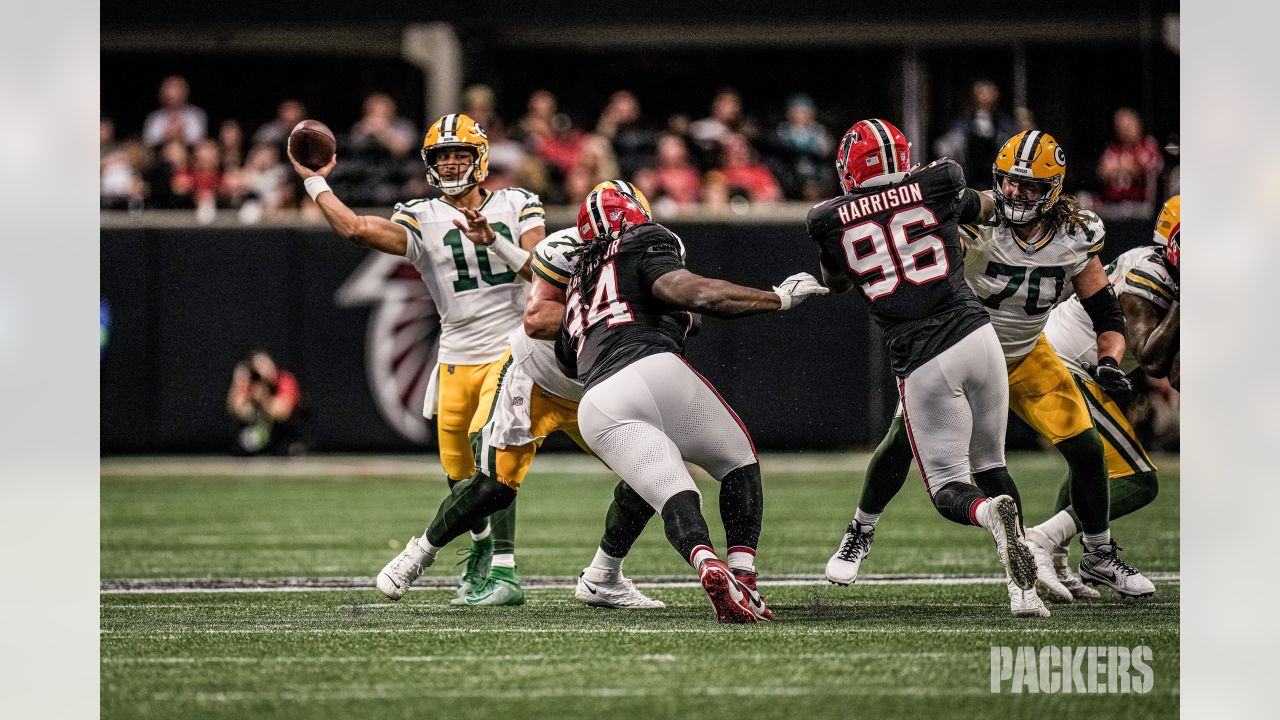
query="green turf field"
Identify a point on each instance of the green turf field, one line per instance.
(873, 650)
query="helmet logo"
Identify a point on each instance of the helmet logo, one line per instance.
(1059, 155)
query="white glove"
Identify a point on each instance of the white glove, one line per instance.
(796, 288)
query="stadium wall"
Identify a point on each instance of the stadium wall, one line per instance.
(186, 303)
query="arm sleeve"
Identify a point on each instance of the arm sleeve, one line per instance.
(659, 254)
(531, 214)
(969, 205)
(404, 217)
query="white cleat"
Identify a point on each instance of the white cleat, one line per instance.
(1070, 580)
(1047, 582)
(1103, 566)
(616, 592)
(399, 574)
(1006, 528)
(1025, 603)
(842, 568)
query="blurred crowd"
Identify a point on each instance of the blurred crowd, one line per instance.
(724, 160)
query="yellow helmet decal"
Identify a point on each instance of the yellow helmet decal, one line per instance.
(626, 188)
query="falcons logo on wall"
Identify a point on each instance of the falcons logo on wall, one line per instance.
(402, 340)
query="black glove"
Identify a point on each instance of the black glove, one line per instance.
(1108, 374)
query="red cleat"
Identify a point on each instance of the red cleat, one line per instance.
(747, 579)
(727, 595)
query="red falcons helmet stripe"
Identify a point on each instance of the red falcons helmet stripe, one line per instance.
(886, 145)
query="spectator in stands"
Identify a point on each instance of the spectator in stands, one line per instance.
(176, 118)
(478, 102)
(170, 179)
(276, 130)
(804, 147)
(726, 119)
(561, 150)
(121, 185)
(619, 123)
(596, 163)
(1129, 169)
(204, 179)
(264, 401)
(231, 140)
(264, 181)
(975, 137)
(745, 174)
(381, 127)
(535, 126)
(676, 178)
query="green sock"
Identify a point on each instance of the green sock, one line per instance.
(1090, 494)
(1132, 492)
(482, 523)
(504, 530)
(470, 502)
(888, 468)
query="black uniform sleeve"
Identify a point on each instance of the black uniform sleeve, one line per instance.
(818, 221)
(658, 254)
(970, 206)
(566, 358)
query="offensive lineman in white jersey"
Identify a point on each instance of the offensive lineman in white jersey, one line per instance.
(470, 263)
(530, 399)
(1146, 281)
(1018, 267)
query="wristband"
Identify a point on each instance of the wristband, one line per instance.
(510, 253)
(786, 300)
(315, 185)
(1108, 360)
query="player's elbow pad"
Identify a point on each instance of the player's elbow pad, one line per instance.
(1104, 311)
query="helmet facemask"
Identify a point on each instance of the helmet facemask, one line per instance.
(464, 182)
(1019, 211)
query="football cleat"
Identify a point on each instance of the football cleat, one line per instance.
(747, 579)
(1103, 566)
(478, 559)
(399, 574)
(1047, 581)
(501, 587)
(1070, 580)
(615, 592)
(842, 568)
(1025, 603)
(1019, 563)
(727, 595)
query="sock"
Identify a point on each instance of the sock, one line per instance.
(470, 501)
(426, 546)
(742, 507)
(506, 560)
(742, 558)
(480, 524)
(995, 482)
(701, 554)
(685, 527)
(488, 529)
(1090, 495)
(962, 503)
(504, 529)
(1057, 530)
(1064, 493)
(887, 470)
(1093, 540)
(627, 517)
(1133, 492)
(862, 517)
(603, 567)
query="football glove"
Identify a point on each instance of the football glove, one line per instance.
(795, 289)
(1108, 374)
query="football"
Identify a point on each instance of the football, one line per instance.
(312, 144)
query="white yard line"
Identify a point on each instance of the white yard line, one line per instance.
(336, 584)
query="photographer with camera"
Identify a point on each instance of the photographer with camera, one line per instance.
(263, 400)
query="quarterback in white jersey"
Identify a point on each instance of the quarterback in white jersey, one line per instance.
(526, 400)
(470, 246)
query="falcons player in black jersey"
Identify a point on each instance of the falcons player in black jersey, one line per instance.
(645, 411)
(894, 235)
